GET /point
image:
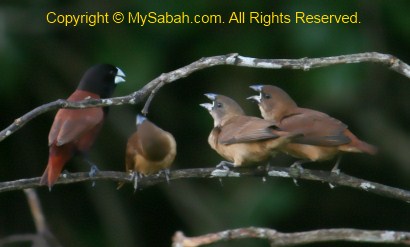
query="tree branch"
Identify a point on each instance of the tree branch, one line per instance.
(234, 59)
(43, 237)
(290, 239)
(284, 172)
(35, 239)
(42, 228)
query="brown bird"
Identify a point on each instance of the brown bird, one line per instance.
(149, 150)
(239, 138)
(323, 137)
(74, 130)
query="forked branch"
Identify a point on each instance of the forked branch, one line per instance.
(234, 59)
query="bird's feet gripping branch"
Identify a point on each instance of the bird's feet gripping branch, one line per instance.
(150, 150)
(225, 165)
(323, 137)
(240, 139)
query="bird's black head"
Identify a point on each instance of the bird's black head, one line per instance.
(101, 79)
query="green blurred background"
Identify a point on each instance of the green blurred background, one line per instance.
(40, 63)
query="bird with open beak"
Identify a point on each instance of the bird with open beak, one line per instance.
(323, 138)
(241, 139)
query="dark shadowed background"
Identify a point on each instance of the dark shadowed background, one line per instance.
(40, 62)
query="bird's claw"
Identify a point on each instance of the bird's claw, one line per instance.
(93, 172)
(166, 173)
(225, 165)
(267, 168)
(136, 176)
(297, 165)
(65, 174)
(263, 169)
(335, 171)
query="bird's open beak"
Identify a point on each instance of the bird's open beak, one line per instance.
(211, 96)
(255, 98)
(207, 106)
(120, 76)
(257, 88)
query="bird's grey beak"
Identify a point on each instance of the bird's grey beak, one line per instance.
(140, 119)
(257, 88)
(255, 98)
(120, 76)
(211, 96)
(207, 106)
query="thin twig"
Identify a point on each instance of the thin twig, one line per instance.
(144, 110)
(36, 211)
(291, 239)
(284, 172)
(43, 232)
(43, 237)
(35, 239)
(234, 59)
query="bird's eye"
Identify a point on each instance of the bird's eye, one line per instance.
(219, 105)
(266, 96)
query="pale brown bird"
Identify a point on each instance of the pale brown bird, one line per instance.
(149, 150)
(242, 139)
(323, 137)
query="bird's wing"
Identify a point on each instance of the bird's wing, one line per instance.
(131, 151)
(247, 129)
(317, 128)
(70, 125)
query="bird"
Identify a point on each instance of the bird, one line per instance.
(323, 137)
(74, 130)
(240, 139)
(149, 150)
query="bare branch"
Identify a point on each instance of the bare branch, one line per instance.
(290, 239)
(234, 59)
(35, 239)
(43, 237)
(131, 99)
(36, 211)
(43, 231)
(284, 172)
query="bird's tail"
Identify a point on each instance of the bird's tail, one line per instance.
(366, 147)
(357, 145)
(56, 161)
